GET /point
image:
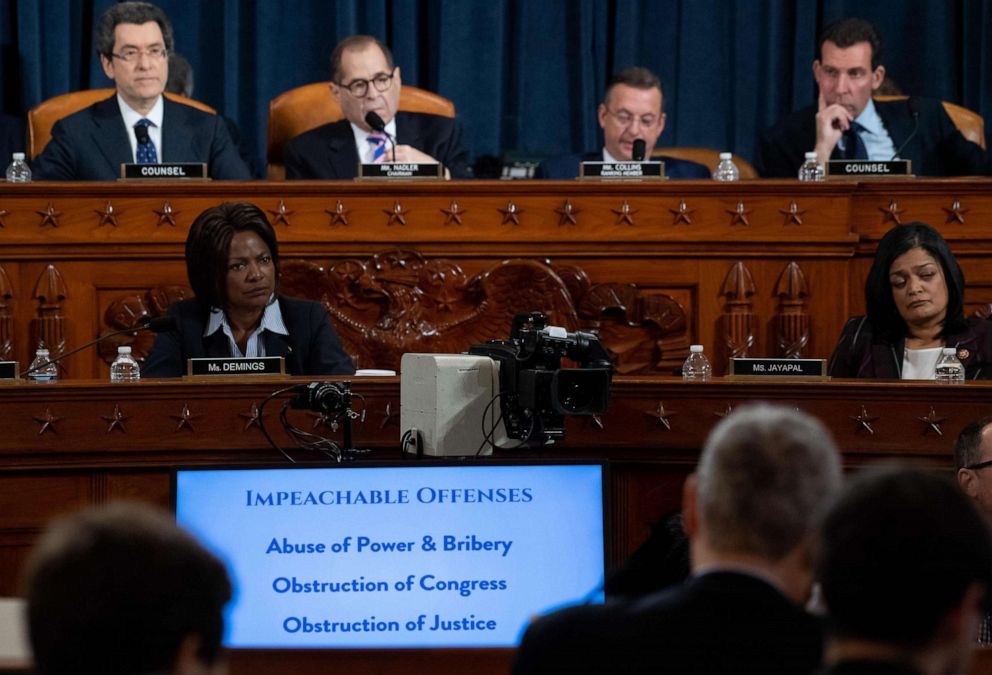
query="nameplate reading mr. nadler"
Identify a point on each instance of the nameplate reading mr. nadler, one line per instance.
(8, 370)
(401, 171)
(858, 168)
(165, 171)
(262, 365)
(622, 170)
(778, 368)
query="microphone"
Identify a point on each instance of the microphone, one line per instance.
(158, 324)
(914, 110)
(373, 120)
(141, 133)
(639, 149)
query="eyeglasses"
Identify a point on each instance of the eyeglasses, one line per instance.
(980, 465)
(132, 54)
(360, 87)
(626, 118)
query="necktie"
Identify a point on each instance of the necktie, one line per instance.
(146, 149)
(854, 147)
(377, 147)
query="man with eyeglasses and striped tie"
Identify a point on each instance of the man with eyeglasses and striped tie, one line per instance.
(138, 124)
(365, 80)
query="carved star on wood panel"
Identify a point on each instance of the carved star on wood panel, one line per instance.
(511, 214)
(253, 418)
(48, 420)
(396, 214)
(625, 214)
(793, 215)
(892, 212)
(955, 214)
(50, 216)
(567, 213)
(683, 214)
(339, 215)
(932, 422)
(281, 214)
(663, 416)
(185, 418)
(167, 215)
(116, 419)
(108, 215)
(3, 214)
(453, 214)
(864, 420)
(739, 214)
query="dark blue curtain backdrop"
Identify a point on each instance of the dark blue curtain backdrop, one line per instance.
(525, 75)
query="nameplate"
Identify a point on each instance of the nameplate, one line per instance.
(622, 170)
(165, 171)
(8, 370)
(866, 168)
(401, 171)
(262, 365)
(778, 368)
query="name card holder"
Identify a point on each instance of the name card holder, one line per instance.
(8, 370)
(236, 367)
(815, 369)
(164, 171)
(866, 168)
(401, 171)
(622, 171)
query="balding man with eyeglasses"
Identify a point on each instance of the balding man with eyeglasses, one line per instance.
(137, 124)
(364, 79)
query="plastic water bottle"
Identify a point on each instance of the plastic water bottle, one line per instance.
(124, 368)
(18, 171)
(811, 171)
(726, 170)
(46, 370)
(697, 366)
(949, 369)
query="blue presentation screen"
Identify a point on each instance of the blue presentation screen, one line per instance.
(437, 556)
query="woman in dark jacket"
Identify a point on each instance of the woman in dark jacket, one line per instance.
(914, 297)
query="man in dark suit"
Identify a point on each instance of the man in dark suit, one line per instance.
(364, 79)
(631, 109)
(133, 40)
(905, 566)
(750, 512)
(847, 123)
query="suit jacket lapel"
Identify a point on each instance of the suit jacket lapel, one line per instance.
(110, 135)
(342, 155)
(409, 133)
(216, 345)
(176, 134)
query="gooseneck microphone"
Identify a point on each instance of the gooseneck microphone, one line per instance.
(373, 120)
(158, 324)
(141, 133)
(914, 110)
(640, 147)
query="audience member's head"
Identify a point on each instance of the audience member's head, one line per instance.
(632, 108)
(848, 66)
(133, 41)
(764, 475)
(914, 281)
(180, 76)
(973, 461)
(121, 589)
(222, 243)
(364, 79)
(905, 564)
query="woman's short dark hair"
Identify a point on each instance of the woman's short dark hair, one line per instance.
(208, 246)
(881, 307)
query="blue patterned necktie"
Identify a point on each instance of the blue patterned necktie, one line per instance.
(146, 149)
(854, 147)
(377, 147)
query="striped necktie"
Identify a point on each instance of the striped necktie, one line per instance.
(854, 147)
(146, 148)
(377, 147)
